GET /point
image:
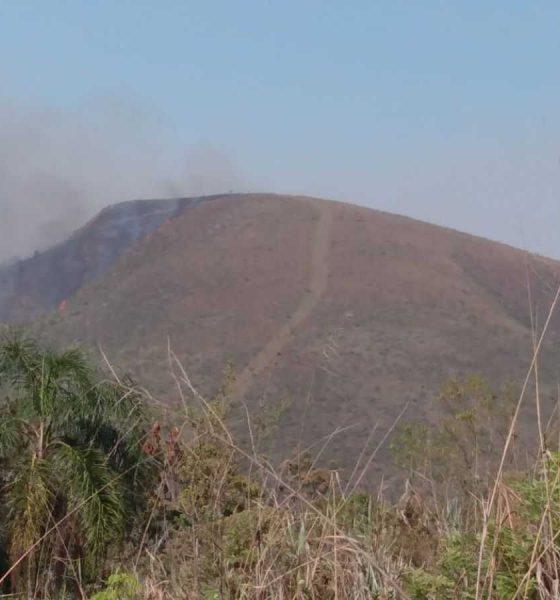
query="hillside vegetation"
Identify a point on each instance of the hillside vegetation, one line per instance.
(101, 499)
(332, 316)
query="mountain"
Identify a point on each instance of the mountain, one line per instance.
(335, 316)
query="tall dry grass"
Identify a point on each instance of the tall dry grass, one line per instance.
(225, 523)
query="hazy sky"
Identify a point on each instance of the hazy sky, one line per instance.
(446, 111)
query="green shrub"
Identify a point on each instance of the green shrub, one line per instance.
(120, 586)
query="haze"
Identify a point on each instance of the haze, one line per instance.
(446, 112)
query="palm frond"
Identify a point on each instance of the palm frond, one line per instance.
(70, 449)
(11, 435)
(20, 361)
(85, 475)
(31, 498)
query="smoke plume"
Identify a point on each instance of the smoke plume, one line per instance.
(58, 168)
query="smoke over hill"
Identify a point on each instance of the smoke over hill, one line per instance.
(59, 167)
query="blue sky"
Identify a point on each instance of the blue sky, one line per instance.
(445, 111)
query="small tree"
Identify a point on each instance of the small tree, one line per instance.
(461, 449)
(70, 456)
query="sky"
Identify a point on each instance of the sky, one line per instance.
(445, 111)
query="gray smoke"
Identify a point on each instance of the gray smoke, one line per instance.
(58, 168)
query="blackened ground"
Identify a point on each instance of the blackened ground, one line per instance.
(40, 284)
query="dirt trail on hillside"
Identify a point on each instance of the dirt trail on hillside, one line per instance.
(317, 287)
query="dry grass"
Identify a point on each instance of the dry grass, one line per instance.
(226, 523)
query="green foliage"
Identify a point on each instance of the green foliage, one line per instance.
(357, 513)
(241, 531)
(211, 593)
(206, 470)
(422, 585)
(520, 551)
(120, 586)
(516, 553)
(461, 449)
(71, 462)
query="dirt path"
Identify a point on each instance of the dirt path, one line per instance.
(317, 287)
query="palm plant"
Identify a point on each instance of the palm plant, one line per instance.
(70, 461)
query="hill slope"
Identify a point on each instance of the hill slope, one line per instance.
(39, 284)
(345, 312)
